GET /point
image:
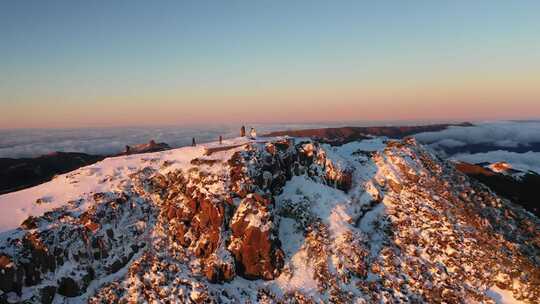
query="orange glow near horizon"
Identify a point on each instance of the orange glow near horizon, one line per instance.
(468, 99)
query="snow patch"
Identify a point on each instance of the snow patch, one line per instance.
(501, 296)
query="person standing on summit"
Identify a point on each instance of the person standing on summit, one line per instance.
(242, 131)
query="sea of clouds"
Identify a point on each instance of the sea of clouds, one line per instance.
(508, 134)
(520, 161)
(515, 142)
(105, 141)
(18, 143)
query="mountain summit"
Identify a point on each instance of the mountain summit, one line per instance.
(274, 220)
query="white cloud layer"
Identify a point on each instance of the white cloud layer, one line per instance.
(520, 161)
(503, 134)
(31, 143)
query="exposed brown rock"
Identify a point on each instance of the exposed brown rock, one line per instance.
(92, 226)
(254, 247)
(29, 223)
(216, 270)
(40, 259)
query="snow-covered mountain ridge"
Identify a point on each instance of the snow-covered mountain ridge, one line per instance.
(276, 220)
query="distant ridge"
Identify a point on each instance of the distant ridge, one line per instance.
(341, 135)
(20, 173)
(517, 186)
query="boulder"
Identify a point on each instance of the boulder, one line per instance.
(68, 287)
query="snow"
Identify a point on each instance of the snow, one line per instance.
(254, 220)
(335, 209)
(501, 296)
(342, 155)
(500, 167)
(104, 176)
(328, 204)
(368, 145)
(300, 273)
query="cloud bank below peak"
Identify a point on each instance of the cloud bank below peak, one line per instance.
(515, 142)
(503, 134)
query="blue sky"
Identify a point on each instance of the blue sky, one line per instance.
(61, 59)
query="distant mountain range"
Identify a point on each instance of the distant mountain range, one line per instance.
(342, 135)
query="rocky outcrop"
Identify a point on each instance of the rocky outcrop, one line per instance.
(254, 243)
(224, 238)
(151, 146)
(441, 228)
(258, 174)
(196, 221)
(63, 252)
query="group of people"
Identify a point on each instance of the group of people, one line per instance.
(252, 135)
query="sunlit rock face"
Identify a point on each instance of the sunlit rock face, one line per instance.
(254, 243)
(278, 220)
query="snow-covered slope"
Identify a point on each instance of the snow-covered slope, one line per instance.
(275, 220)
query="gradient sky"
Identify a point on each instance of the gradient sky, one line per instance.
(115, 63)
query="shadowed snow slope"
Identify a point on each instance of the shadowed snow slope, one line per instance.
(277, 220)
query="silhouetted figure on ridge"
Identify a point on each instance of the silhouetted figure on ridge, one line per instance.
(243, 131)
(193, 143)
(220, 139)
